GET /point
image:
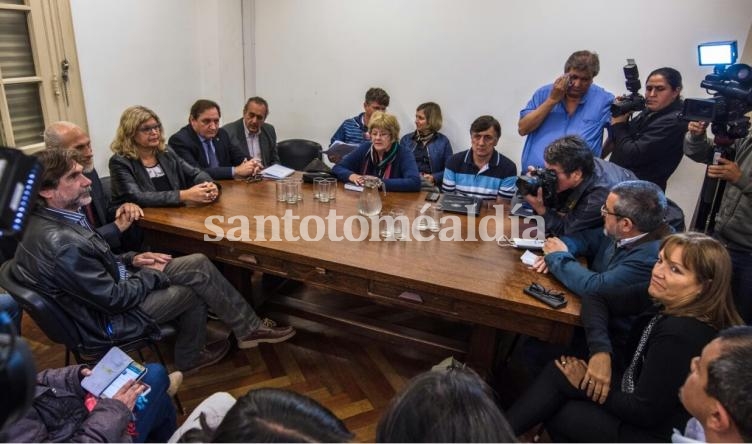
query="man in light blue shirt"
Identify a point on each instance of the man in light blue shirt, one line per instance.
(571, 105)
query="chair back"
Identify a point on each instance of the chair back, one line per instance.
(297, 153)
(47, 314)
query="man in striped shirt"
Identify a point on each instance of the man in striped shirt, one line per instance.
(354, 131)
(479, 171)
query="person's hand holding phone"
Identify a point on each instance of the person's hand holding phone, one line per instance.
(129, 392)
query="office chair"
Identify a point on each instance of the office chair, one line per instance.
(297, 153)
(60, 328)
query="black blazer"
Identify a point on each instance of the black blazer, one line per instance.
(101, 203)
(131, 182)
(267, 141)
(188, 146)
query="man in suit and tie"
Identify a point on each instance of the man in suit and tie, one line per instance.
(203, 144)
(112, 223)
(256, 137)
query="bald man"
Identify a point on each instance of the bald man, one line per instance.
(113, 224)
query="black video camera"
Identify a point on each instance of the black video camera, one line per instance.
(732, 99)
(539, 178)
(633, 101)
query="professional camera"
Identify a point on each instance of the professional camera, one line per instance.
(539, 178)
(19, 182)
(633, 101)
(732, 93)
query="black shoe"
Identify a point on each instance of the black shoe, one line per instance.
(210, 355)
(267, 332)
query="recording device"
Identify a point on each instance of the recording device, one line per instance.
(19, 176)
(731, 87)
(633, 101)
(539, 178)
(18, 189)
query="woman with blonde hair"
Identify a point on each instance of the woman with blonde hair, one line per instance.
(382, 156)
(580, 402)
(430, 148)
(146, 172)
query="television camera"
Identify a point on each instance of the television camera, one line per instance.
(731, 87)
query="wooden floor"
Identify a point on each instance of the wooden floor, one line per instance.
(353, 376)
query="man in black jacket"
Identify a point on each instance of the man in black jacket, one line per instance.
(203, 144)
(253, 135)
(582, 185)
(117, 298)
(113, 223)
(651, 144)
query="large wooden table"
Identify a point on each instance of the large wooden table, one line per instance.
(476, 282)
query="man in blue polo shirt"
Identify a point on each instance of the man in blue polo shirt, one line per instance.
(571, 105)
(479, 171)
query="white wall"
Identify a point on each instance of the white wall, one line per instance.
(161, 54)
(315, 59)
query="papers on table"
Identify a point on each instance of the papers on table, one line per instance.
(277, 171)
(529, 258)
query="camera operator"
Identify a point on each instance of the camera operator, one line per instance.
(651, 144)
(582, 185)
(733, 222)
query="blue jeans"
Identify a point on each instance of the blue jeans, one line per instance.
(157, 420)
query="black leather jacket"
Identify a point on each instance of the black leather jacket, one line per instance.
(131, 182)
(75, 267)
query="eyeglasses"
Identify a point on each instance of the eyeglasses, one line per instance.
(605, 211)
(148, 129)
(255, 178)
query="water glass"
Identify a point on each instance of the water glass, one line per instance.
(332, 187)
(292, 191)
(299, 187)
(281, 190)
(324, 191)
(386, 225)
(434, 213)
(317, 186)
(421, 217)
(401, 225)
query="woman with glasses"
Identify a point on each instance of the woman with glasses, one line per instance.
(633, 396)
(382, 156)
(430, 148)
(144, 171)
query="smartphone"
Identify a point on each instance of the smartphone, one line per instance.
(432, 197)
(134, 371)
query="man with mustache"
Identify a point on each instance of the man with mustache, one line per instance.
(118, 298)
(114, 224)
(572, 105)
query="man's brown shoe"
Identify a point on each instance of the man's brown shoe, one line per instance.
(267, 332)
(210, 355)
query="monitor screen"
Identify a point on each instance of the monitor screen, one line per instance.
(717, 53)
